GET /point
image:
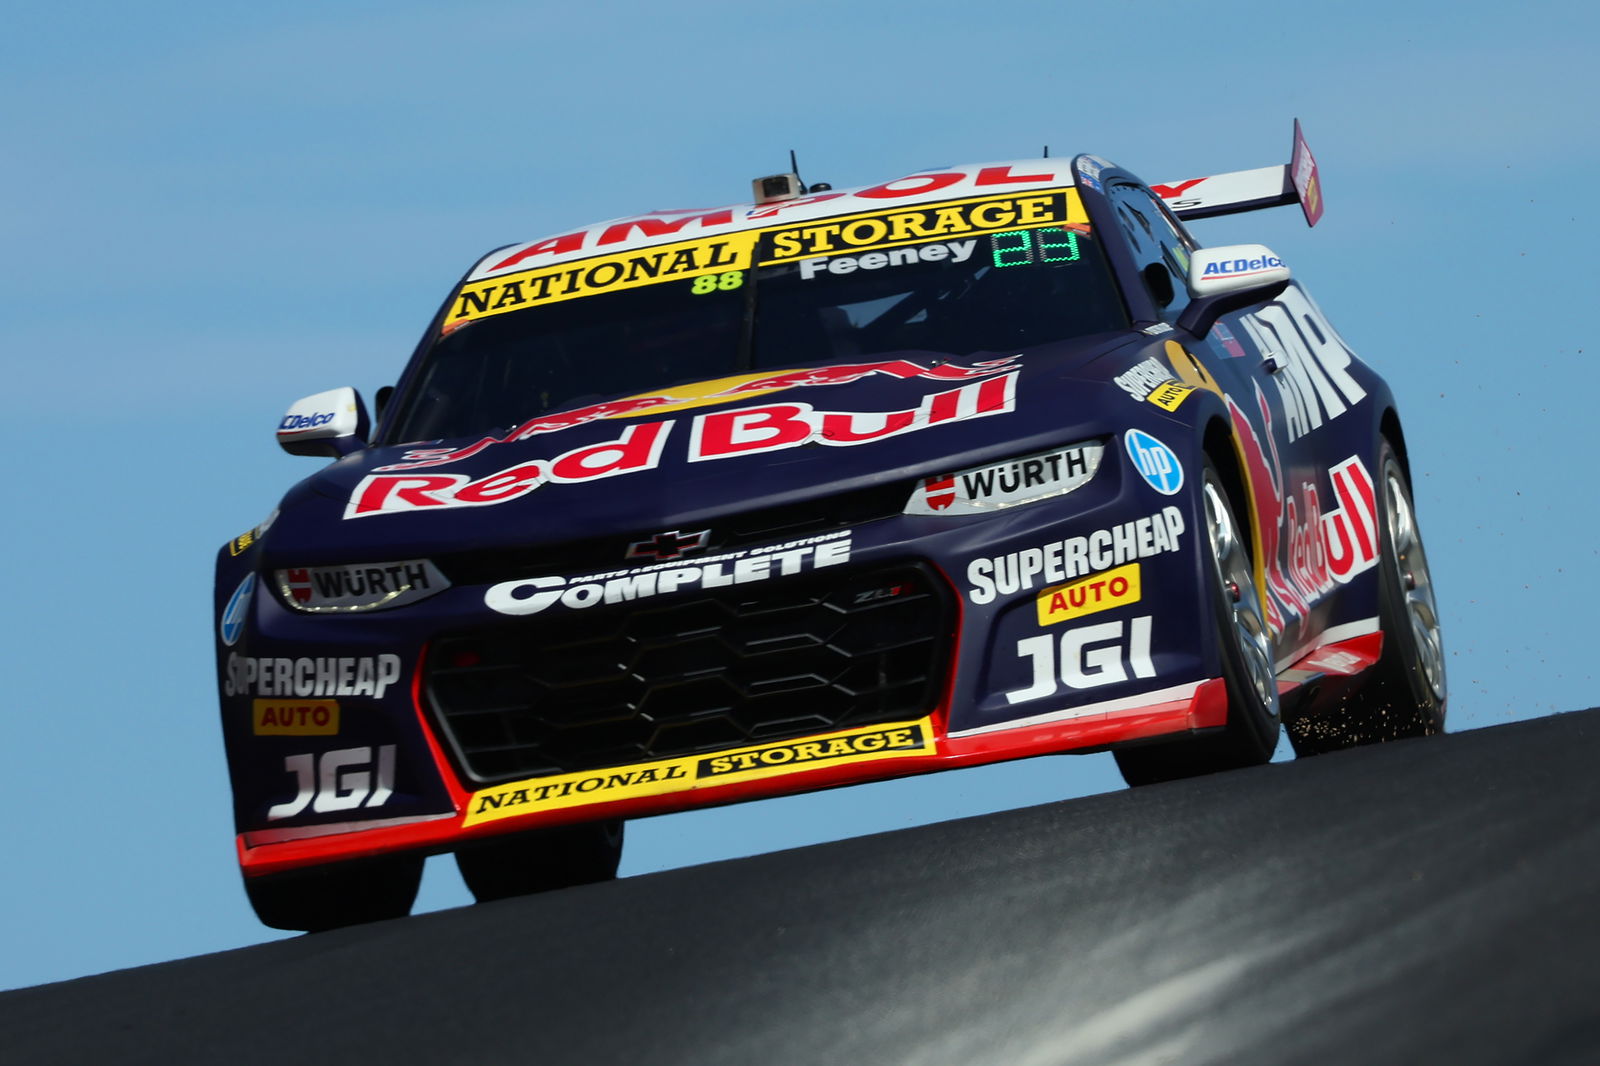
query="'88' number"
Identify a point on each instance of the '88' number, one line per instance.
(713, 282)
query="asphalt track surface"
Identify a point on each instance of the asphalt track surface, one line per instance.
(1431, 901)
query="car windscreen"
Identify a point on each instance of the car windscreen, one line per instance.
(996, 292)
(492, 373)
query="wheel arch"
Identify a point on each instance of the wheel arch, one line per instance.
(1219, 442)
(1389, 428)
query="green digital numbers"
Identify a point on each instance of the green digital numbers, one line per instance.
(1012, 249)
(1021, 247)
(717, 282)
(1052, 250)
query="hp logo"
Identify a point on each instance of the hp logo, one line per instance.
(1156, 462)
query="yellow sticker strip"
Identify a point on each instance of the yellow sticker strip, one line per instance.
(867, 744)
(684, 260)
(1090, 595)
(608, 273)
(928, 222)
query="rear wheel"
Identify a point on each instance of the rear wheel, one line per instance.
(338, 894)
(1405, 694)
(541, 860)
(1251, 734)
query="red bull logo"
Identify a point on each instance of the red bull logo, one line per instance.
(1308, 553)
(722, 390)
(719, 435)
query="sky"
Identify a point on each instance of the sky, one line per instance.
(209, 211)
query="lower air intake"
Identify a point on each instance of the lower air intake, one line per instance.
(613, 685)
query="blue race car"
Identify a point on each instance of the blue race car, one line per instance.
(693, 507)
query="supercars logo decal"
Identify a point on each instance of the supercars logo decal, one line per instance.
(251, 537)
(868, 744)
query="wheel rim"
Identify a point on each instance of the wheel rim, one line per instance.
(1411, 571)
(1238, 589)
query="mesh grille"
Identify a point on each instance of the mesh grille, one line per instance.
(608, 686)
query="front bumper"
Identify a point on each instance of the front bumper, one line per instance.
(786, 683)
(675, 785)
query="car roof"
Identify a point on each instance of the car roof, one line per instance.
(973, 180)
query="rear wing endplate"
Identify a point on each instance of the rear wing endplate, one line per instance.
(1251, 190)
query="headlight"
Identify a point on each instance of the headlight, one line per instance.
(1027, 479)
(368, 587)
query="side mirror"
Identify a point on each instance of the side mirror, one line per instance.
(331, 423)
(1229, 279)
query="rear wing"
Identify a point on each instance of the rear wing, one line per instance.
(1251, 190)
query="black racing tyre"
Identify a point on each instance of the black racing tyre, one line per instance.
(540, 860)
(338, 894)
(1405, 693)
(1251, 734)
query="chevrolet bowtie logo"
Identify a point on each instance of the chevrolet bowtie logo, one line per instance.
(670, 545)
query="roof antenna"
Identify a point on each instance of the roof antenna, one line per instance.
(794, 168)
(1047, 151)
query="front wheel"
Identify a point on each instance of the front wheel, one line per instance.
(338, 894)
(1251, 734)
(540, 860)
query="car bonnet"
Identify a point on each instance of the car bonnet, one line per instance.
(717, 448)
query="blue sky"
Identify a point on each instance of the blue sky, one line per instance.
(211, 211)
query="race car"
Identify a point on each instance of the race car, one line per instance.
(694, 507)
